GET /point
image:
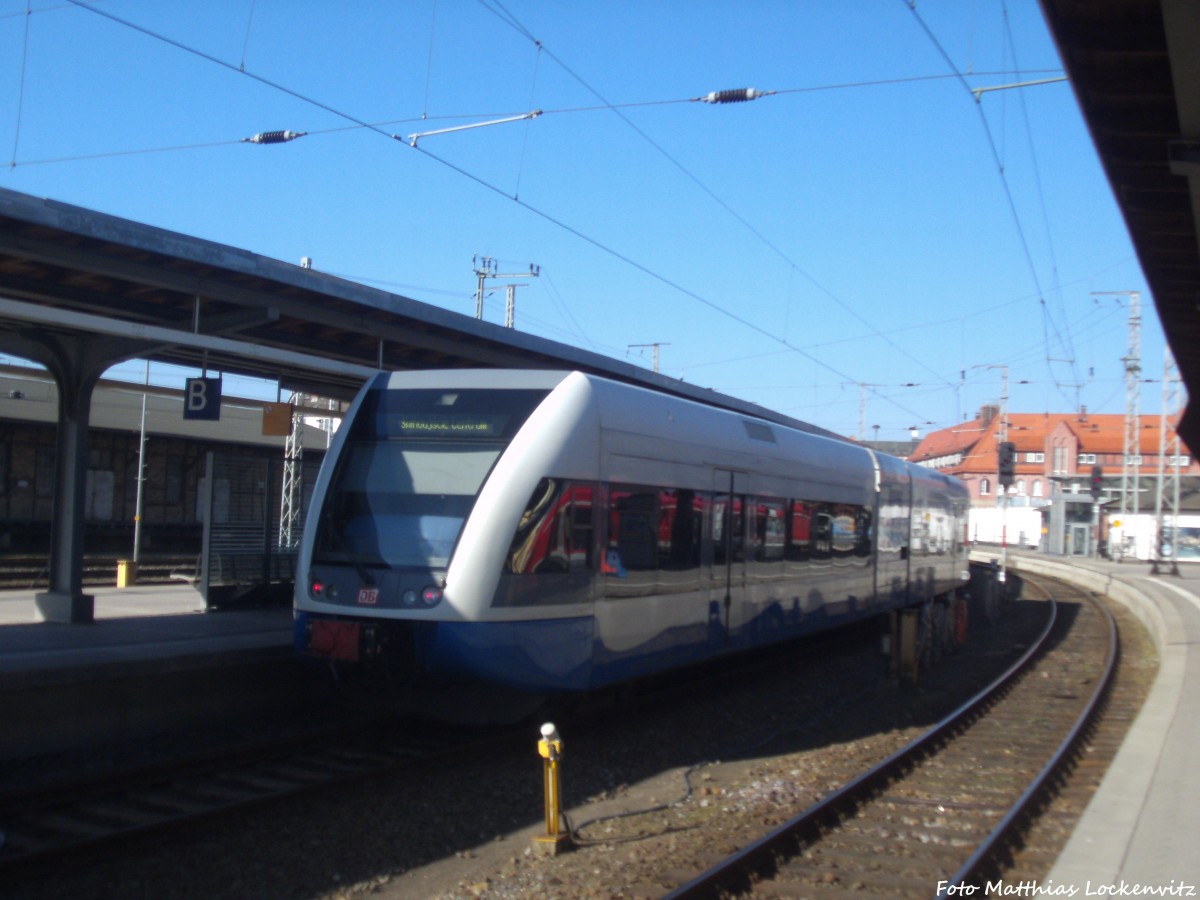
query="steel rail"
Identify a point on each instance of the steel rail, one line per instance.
(969, 874)
(107, 812)
(735, 874)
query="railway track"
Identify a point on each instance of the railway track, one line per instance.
(42, 828)
(943, 813)
(82, 817)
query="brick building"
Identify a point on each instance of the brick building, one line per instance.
(1055, 455)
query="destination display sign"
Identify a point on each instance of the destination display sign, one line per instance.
(448, 425)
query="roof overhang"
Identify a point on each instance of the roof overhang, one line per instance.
(67, 272)
(1135, 69)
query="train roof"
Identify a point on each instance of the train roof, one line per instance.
(549, 379)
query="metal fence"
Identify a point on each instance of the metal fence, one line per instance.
(243, 560)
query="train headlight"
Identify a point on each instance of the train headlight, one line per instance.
(424, 599)
(317, 589)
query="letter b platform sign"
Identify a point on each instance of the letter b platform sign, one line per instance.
(202, 399)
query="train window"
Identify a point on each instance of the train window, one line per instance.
(583, 527)
(769, 530)
(680, 528)
(843, 530)
(799, 531)
(401, 503)
(728, 529)
(555, 531)
(633, 527)
(862, 544)
(821, 532)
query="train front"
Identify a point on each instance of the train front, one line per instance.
(412, 519)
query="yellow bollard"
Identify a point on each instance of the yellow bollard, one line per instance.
(550, 749)
(126, 573)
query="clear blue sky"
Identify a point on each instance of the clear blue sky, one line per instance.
(868, 223)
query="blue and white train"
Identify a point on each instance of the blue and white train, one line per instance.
(559, 531)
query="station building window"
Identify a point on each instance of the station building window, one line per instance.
(1060, 461)
(43, 473)
(174, 480)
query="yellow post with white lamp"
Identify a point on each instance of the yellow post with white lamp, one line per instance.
(550, 749)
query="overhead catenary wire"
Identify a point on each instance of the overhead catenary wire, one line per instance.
(246, 39)
(429, 57)
(493, 188)
(358, 123)
(997, 159)
(714, 97)
(630, 261)
(21, 83)
(1041, 195)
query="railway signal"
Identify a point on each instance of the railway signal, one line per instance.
(1008, 463)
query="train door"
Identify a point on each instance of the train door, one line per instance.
(1080, 540)
(893, 532)
(728, 536)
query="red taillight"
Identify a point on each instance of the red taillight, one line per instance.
(431, 596)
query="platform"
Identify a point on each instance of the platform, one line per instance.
(161, 626)
(1138, 835)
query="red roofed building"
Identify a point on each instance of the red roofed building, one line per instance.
(1055, 454)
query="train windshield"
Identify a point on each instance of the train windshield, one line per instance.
(412, 466)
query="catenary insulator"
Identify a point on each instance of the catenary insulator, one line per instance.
(738, 95)
(273, 137)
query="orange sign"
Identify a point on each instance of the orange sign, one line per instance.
(277, 419)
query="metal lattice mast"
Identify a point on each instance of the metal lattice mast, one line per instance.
(293, 481)
(485, 268)
(1002, 434)
(1166, 506)
(862, 404)
(656, 345)
(1131, 449)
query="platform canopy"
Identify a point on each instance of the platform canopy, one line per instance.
(1135, 68)
(71, 272)
(81, 291)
